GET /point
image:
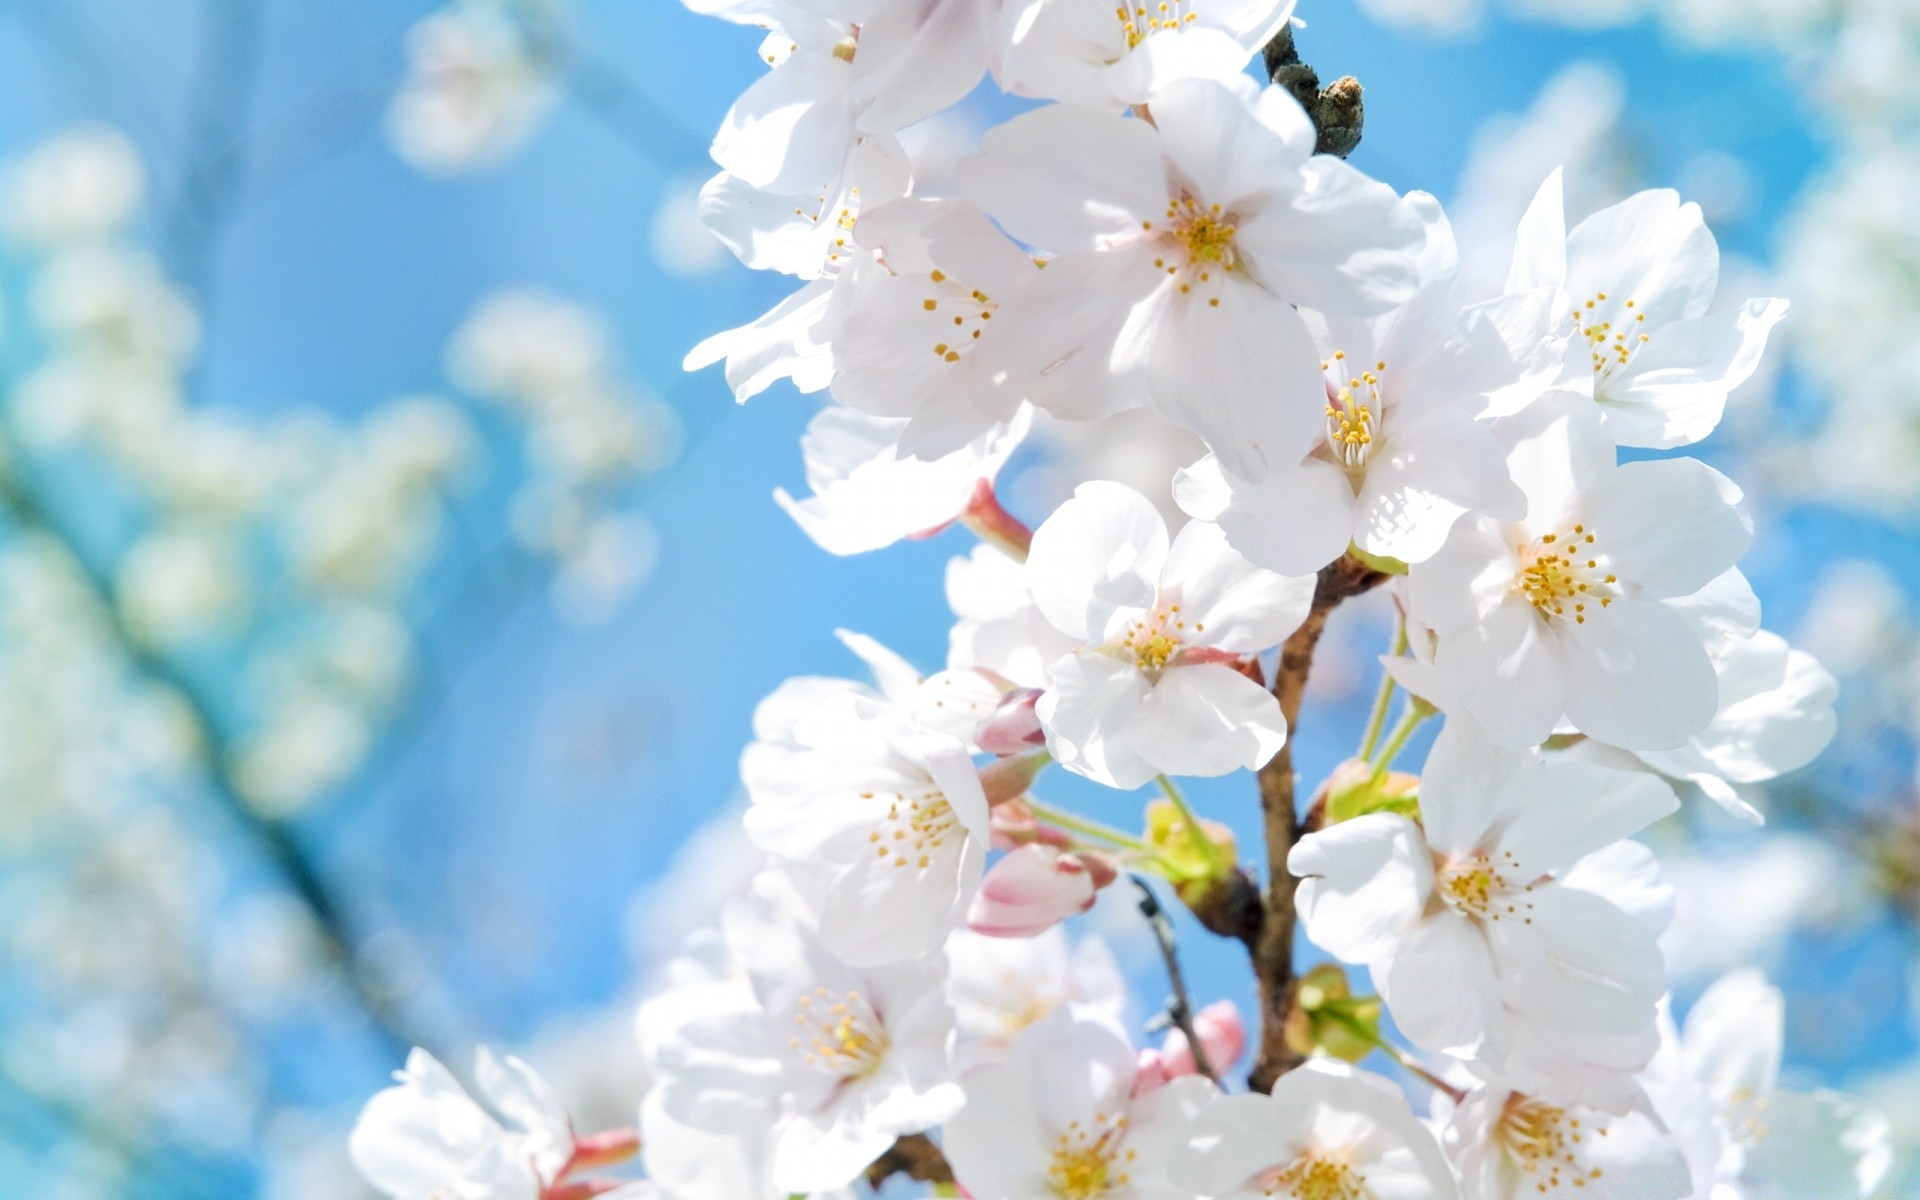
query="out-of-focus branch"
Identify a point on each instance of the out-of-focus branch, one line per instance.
(1272, 948)
(914, 1156)
(279, 845)
(215, 152)
(1338, 110)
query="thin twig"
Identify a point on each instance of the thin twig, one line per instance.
(1179, 1008)
(278, 844)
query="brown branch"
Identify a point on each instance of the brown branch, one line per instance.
(1338, 111)
(1272, 945)
(914, 1156)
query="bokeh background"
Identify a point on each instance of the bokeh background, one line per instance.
(382, 609)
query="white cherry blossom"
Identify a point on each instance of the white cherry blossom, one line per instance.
(1402, 455)
(998, 627)
(1180, 247)
(1327, 1130)
(1717, 1087)
(1648, 346)
(921, 339)
(426, 1137)
(1466, 918)
(1000, 986)
(836, 1061)
(1060, 1117)
(1110, 56)
(891, 813)
(1506, 1145)
(1575, 611)
(1155, 687)
(868, 495)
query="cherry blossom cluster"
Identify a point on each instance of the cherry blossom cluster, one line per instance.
(892, 993)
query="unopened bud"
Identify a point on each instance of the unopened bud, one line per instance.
(1014, 727)
(1327, 1018)
(1356, 789)
(1030, 890)
(1193, 860)
(1223, 1036)
(1006, 779)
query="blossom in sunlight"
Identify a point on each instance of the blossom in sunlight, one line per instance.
(1165, 625)
(1648, 346)
(1000, 986)
(923, 342)
(1578, 610)
(1107, 56)
(1403, 454)
(867, 495)
(1175, 282)
(1327, 1130)
(1717, 1087)
(1776, 715)
(1064, 1116)
(1031, 890)
(427, 1137)
(835, 1060)
(1507, 1145)
(479, 84)
(892, 812)
(1466, 918)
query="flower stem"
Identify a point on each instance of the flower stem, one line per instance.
(1377, 721)
(1407, 1062)
(1085, 826)
(994, 525)
(1196, 833)
(1397, 741)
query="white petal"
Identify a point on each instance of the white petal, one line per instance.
(1363, 884)
(1225, 601)
(1104, 548)
(1294, 521)
(1206, 720)
(1440, 985)
(1646, 682)
(1633, 509)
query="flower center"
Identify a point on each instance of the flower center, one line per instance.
(1563, 569)
(1083, 1166)
(915, 828)
(1475, 887)
(1543, 1142)
(840, 220)
(968, 309)
(1612, 331)
(843, 1037)
(1315, 1177)
(1156, 638)
(1202, 236)
(1141, 22)
(1354, 407)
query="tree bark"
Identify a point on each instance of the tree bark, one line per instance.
(1272, 948)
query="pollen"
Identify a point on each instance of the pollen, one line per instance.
(1612, 332)
(1140, 22)
(914, 828)
(1564, 575)
(1354, 408)
(1154, 640)
(1088, 1163)
(838, 1034)
(1480, 887)
(1545, 1144)
(1317, 1176)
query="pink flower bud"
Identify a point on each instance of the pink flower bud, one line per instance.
(1014, 727)
(1006, 779)
(1029, 891)
(1222, 1035)
(1149, 1073)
